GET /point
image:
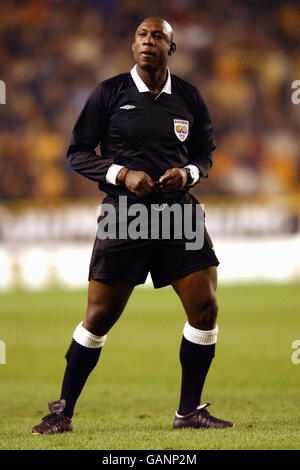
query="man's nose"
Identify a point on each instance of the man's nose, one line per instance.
(148, 40)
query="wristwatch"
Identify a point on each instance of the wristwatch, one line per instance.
(190, 178)
(192, 175)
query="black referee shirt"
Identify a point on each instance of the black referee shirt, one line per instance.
(142, 132)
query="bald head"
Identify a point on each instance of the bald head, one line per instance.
(153, 43)
(161, 24)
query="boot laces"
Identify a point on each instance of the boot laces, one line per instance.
(55, 421)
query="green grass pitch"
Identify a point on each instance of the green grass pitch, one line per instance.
(252, 380)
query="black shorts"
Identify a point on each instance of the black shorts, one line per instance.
(166, 260)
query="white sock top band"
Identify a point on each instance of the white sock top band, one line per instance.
(87, 339)
(200, 336)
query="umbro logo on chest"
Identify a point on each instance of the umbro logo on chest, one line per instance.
(127, 106)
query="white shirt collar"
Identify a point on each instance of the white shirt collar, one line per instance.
(143, 88)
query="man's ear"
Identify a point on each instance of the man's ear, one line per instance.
(172, 48)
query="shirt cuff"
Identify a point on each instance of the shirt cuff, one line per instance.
(195, 173)
(112, 173)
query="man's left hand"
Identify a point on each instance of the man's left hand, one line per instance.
(174, 179)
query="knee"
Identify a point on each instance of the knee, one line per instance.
(204, 314)
(99, 318)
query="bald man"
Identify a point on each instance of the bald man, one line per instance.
(156, 142)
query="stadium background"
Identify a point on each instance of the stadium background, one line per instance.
(243, 59)
(243, 56)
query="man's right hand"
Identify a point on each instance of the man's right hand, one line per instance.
(138, 182)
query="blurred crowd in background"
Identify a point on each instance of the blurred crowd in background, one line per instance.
(242, 55)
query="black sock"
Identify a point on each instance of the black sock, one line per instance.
(80, 363)
(195, 361)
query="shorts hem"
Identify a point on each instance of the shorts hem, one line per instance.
(115, 278)
(164, 283)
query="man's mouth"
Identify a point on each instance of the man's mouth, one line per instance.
(147, 54)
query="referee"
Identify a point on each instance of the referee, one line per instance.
(156, 141)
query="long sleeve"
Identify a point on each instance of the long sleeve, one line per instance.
(88, 132)
(201, 143)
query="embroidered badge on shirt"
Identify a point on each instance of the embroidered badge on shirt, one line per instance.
(181, 129)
